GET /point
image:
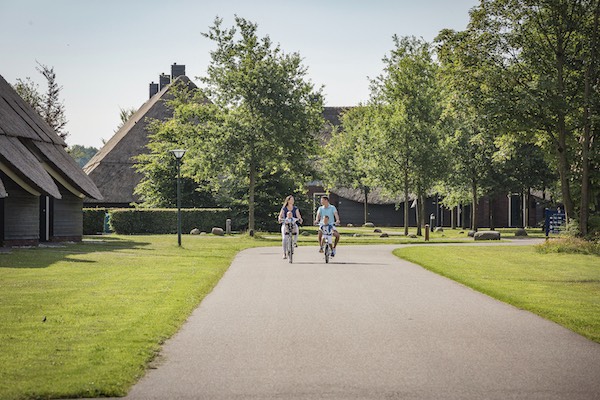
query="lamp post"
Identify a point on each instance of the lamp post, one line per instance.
(178, 154)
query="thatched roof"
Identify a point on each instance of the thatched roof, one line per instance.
(30, 150)
(112, 168)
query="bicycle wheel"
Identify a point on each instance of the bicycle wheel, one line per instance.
(327, 253)
(290, 248)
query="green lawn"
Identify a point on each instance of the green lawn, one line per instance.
(108, 302)
(564, 288)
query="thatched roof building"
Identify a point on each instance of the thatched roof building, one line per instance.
(112, 168)
(41, 186)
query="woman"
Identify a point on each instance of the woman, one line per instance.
(288, 206)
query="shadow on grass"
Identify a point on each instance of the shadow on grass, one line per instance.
(47, 254)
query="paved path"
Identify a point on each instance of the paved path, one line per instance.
(367, 326)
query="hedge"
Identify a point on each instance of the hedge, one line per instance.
(93, 220)
(164, 220)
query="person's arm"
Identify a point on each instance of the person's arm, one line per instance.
(337, 217)
(318, 217)
(299, 215)
(280, 218)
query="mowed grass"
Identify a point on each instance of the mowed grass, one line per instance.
(108, 303)
(564, 288)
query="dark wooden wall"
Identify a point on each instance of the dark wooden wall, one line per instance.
(21, 215)
(67, 217)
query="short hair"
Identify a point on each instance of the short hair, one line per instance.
(325, 197)
(326, 216)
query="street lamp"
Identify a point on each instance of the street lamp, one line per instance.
(178, 154)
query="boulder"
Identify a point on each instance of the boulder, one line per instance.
(217, 231)
(520, 232)
(369, 225)
(461, 232)
(487, 235)
(412, 236)
(357, 235)
(305, 233)
(384, 235)
(195, 231)
(471, 233)
(350, 225)
(377, 230)
(439, 229)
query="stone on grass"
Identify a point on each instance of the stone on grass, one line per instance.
(350, 225)
(195, 231)
(377, 230)
(461, 232)
(412, 236)
(357, 235)
(369, 225)
(384, 235)
(487, 235)
(305, 233)
(217, 231)
(439, 229)
(520, 232)
(471, 233)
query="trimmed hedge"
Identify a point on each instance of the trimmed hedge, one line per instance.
(131, 221)
(93, 220)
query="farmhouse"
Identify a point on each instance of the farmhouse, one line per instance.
(41, 187)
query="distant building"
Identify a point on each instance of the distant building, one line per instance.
(41, 187)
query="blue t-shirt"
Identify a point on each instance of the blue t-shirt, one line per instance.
(327, 229)
(329, 211)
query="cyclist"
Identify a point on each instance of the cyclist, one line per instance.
(289, 220)
(288, 206)
(326, 230)
(329, 210)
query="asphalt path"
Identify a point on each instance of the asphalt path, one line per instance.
(366, 326)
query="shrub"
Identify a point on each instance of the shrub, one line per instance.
(93, 220)
(164, 220)
(569, 245)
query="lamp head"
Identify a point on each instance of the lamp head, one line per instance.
(178, 153)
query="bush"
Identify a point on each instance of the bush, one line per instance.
(93, 220)
(164, 220)
(569, 245)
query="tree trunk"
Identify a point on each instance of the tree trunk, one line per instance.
(421, 204)
(474, 199)
(453, 217)
(563, 163)
(366, 210)
(420, 213)
(527, 202)
(252, 176)
(491, 205)
(584, 212)
(406, 204)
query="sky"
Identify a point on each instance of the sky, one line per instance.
(106, 52)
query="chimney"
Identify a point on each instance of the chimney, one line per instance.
(153, 89)
(177, 70)
(164, 80)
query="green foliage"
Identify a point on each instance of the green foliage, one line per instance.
(81, 154)
(569, 245)
(124, 115)
(162, 221)
(93, 220)
(48, 105)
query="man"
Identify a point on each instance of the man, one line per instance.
(329, 210)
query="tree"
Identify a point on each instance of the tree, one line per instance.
(269, 111)
(48, 105)
(407, 146)
(347, 150)
(81, 154)
(256, 132)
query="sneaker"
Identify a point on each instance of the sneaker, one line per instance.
(295, 244)
(333, 252)
(321, 250)
(285, 256)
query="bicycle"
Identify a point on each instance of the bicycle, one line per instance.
(328, 247)
(289, 238)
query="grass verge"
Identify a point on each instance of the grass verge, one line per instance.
(108, 304)
(560, 287)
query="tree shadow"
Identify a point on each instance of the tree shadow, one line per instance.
(47, 254)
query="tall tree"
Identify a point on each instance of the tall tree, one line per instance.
(81, 154)
(270, 111)
(407, 97)
(124, 115)
(48, 105)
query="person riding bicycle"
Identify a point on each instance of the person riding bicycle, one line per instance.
(330, 211)
(326, 232)
(288, 206)
(289, 223)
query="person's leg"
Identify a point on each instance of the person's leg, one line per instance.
(320, 241)
(336, 234)
(283, 240)
(296, 234)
